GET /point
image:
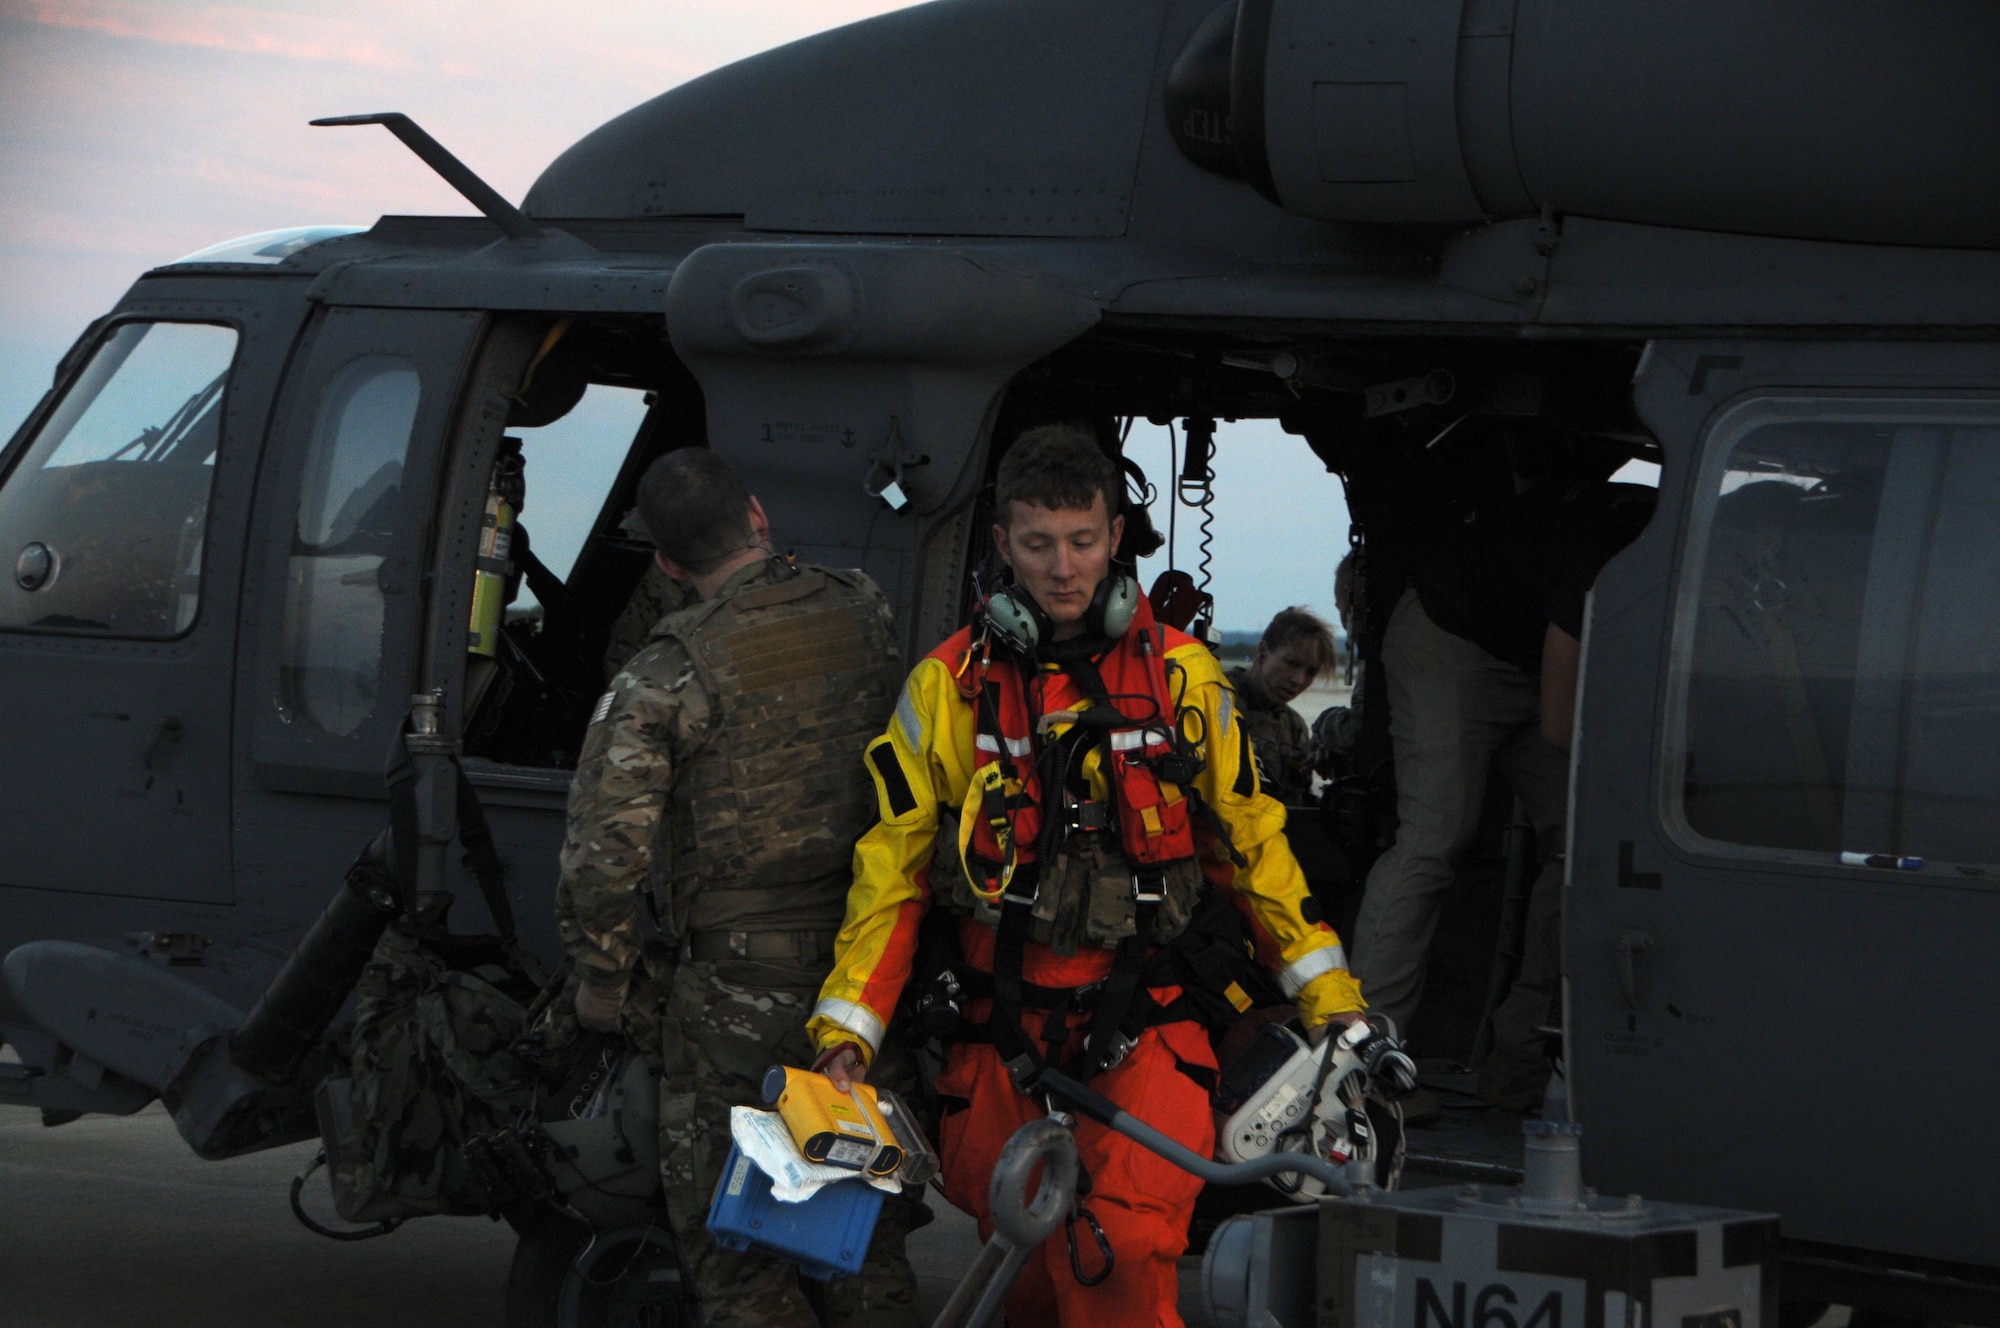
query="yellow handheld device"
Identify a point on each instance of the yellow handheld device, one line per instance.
(839, 1129)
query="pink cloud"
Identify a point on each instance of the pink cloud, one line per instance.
(135, 131)
(249, 178)
(70, 232)
(216, 28)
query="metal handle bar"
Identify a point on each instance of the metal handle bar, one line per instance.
(1020, 1225)
(1109, 1114)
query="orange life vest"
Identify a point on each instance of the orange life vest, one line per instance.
(1153, 813)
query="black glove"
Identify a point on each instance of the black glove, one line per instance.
(1391, 1072)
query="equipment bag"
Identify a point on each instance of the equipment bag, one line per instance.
(437, 1065)
(435, 1062)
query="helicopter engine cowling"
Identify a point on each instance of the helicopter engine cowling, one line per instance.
(1725, 115)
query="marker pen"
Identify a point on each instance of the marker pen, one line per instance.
(1881, 860)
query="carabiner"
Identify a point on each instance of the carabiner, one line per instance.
(1103, 1246)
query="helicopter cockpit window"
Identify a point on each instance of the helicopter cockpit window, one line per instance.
(105, 514)
(533, 690)
(343, 562)
(570, 465)
(1842, 644)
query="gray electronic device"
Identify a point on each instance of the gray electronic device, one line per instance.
(1283, 1094)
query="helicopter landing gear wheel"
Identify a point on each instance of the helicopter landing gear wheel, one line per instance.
(629, 1277)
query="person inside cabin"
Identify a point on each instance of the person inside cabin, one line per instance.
(1295, 649)
(1499, 534)
(1336, 730)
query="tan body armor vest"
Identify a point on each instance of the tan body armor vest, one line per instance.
(798, 670)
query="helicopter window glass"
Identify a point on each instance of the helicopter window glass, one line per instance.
(344, 545)
(105, 514)
(1843, 680)
(571, 465)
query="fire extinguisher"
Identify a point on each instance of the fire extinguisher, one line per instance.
(496, 538)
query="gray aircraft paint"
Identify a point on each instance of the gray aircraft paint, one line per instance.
(896, 225)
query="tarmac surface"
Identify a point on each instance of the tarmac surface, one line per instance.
(112, 1221)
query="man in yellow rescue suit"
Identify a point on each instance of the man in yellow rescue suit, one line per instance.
(1071, 780)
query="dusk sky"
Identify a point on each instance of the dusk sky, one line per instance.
(133, 132)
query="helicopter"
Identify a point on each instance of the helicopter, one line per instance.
(243, 528)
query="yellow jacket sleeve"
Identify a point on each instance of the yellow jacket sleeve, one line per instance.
(923, 762)
(1307, 957)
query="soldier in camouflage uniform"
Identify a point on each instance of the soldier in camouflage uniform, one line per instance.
(1294, 650)
(722, 775)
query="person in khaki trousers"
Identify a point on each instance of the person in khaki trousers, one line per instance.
(1479, 660)
(1455, 711)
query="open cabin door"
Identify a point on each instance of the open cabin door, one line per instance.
(343, 536)
(1799, 660)
(339, 547)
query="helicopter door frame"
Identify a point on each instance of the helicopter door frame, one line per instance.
(524, 806)
(465, 474)
(360, 356)
(1731, 1011)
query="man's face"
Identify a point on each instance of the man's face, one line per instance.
(1059, 555)
(1281, 674)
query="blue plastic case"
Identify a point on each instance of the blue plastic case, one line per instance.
(826, 1235)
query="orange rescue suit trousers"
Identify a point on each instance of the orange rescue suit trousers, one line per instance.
(1142, 1201)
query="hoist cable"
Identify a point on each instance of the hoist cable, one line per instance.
(1207, 545)
(1199, 491)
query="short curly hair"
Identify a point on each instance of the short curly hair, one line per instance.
(1309, 636)
(1056, 466)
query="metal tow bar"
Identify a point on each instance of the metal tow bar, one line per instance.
(1020, 1226)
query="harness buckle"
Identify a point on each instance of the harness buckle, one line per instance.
(1116, 1049)
(1025, 1071)
(1087, 817)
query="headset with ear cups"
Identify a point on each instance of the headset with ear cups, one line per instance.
(1021, 624)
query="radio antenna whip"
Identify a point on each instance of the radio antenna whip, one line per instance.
(454, 172)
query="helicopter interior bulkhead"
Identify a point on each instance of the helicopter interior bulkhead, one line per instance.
(605, 396)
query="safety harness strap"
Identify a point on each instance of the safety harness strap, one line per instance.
(1145, 1013)
(1024, 1065)
(482, 857)
(473, 834)
(1108, 1041)
(401, 781)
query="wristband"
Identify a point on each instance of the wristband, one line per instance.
(832, 1054)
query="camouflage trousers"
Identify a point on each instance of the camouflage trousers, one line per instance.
(725, 1022)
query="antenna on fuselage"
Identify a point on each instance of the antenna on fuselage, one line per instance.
(454, 172)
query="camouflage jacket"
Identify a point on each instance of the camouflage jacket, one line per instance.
(1279, 737)
(656, 596)
(723, 769)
